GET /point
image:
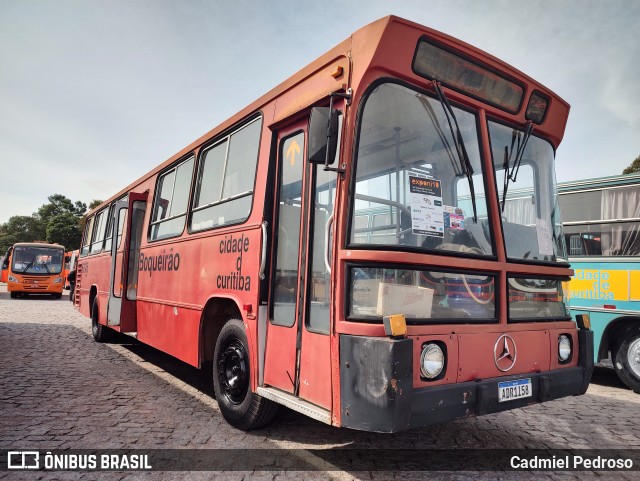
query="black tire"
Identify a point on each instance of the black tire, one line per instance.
(240, 407)
(57, 296)
(100, 333)
(14, 295)
(626, 358)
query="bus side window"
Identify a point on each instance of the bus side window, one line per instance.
(226, 176)
(575, 245)
(86, 237)
(98, 234)
(109, 234)
(172, 197)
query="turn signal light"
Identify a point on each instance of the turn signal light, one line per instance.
(395, 325)
(337, 72)
(583, 321)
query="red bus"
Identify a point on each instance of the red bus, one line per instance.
(340, 246)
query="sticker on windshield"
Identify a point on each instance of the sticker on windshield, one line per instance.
(545, 240)
(453, 217)
(427, 212)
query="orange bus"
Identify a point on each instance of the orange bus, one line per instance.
(34, 268)
(340, 246)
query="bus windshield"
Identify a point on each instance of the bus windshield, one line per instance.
(531, 219)
(37, 260)
(411, 185)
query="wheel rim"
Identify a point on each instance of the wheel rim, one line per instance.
(633, 357)
(233, 372)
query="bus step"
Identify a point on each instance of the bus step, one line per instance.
(295, 403)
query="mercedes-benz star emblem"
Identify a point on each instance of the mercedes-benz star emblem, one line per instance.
(505, 353)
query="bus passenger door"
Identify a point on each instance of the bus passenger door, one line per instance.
(124, 262)
(297, 354)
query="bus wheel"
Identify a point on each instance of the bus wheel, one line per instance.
(240, 407)
(627, 359)
(14, 295)
(57, 296)
(100, 333)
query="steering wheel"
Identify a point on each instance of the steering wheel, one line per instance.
(465, 249)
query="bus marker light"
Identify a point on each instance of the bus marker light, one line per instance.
(248, 308)
(395, 325)
(609, 306)
(337, 72)
(583, 321)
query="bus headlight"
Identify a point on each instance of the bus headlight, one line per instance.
(564, 348)
(431, 361)
(57, 280)
(13, 279)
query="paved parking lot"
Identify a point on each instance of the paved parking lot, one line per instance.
(59, 389)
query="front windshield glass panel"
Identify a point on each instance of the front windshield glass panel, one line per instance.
(531, 219)
(536, 299)
(37, 260)
(421, 295)
(411, 189)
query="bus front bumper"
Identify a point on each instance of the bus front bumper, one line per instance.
(377, 393)
(35, 288)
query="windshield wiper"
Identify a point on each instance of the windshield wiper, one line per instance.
(463, 157)
(513, 174)
(457, 170)
(46, 267)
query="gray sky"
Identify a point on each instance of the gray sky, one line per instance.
(93, 94)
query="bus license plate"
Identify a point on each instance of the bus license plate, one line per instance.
(510, 390)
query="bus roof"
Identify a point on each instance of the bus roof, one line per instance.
(37, 244)
(370, 46)
(599, 182)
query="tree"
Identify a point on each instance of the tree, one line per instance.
(60, 204)
(64, 229)
(633, 167)
(21, 228)
(94, 203)
(58, 221)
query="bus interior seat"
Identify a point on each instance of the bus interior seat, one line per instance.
(521, 241)
(479, 233)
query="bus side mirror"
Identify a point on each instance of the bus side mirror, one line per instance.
(323, 136)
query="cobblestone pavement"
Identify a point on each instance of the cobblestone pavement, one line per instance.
(59, 389)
